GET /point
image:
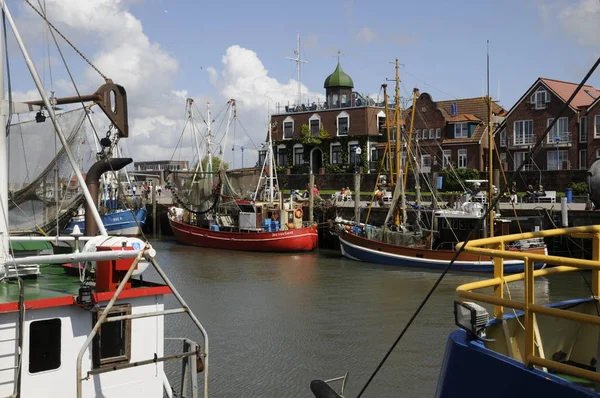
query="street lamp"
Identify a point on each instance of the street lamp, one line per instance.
(242, 148)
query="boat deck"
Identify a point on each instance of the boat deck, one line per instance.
(55, 287)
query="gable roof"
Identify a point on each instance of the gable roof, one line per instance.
(562, 90)
(477, 107)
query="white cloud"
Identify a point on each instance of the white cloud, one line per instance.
(366, 35)
(580, 19)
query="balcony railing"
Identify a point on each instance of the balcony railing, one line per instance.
(561, 139)
(322, 106)
(521, 140)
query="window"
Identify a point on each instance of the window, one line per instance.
(431, 134)
(282, 155)
(343, 123)
(403, 161)
(336, 154)
(262, 156)
(299, 155)
(583, 134)
(519, 158)
(438, 133)
(557, 160)
(44, 345)
(461, 130)
(560, 131)
(597, 153)
(446, 158)
(314, 123)
(315, 126)
(288, 130)
(540, 98)
(462, 158)
(112, 344)
(503, 138)
(425, 163)
(583, 159)
(503, 161)
(597, 126)
(380, 122)
(418, 134)
(523, 134)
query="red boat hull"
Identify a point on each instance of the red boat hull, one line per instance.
(291, 240)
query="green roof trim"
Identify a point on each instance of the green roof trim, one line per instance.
(338, 78)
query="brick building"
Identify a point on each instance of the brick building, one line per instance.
(569, 146)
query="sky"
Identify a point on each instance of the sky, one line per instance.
(165, 51)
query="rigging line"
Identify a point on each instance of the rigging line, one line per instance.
(477, 227)
(8, 78)
(66, 40)
(427, 84)
(47, 42)
(247, 134)
(67, 66)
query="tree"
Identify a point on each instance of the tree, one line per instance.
(216, 163)
(455, 179)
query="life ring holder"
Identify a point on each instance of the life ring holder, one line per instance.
(298, 213)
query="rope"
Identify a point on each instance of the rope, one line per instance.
(67, 40)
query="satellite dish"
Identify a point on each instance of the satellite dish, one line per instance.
(274, 124)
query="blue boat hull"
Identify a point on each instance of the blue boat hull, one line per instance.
(471, 370)
(120, 222)
(361, 249)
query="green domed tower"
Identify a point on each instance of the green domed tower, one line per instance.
(338, 88)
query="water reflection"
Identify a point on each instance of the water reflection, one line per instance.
(277, 321)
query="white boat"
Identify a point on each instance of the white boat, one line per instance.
(100, 332)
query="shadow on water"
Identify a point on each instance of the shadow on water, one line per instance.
(277, 321)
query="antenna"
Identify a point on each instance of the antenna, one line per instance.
(298, 63)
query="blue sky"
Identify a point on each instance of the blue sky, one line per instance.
(163, 51)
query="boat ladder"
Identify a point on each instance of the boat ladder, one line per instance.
(14, 337)
(191, 350)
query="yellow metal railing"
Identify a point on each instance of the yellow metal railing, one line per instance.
(494, 247)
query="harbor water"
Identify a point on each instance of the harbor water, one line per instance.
(278, 321)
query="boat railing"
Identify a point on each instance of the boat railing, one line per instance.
(495, 247)
(190, 348)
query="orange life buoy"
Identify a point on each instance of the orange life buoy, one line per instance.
(298, 213)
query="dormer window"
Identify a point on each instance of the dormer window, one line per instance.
(540, 98)
(461, 130)
(288, 128)
(315, 125)
(343, 124)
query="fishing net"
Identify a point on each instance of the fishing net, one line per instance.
(43, 187)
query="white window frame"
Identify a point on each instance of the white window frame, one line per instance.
(582, 161)
(503, 138)
(314, 116)
(342, 115)
(525, 138)
(335, 144)
(425, 159)
(462, 159)
(463, 130)
(418, 134)
(438, 133)
(540, 98)
(560, 130)
(563, 155)
(297, 146)
(380, 115)
(288, 119)
(446, 157)
(597, 126)
(598, 153)
(583, 129)
(431, 134)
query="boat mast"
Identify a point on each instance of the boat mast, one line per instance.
(209, 149)
(57, 127)
(5, 249)
(271, 163)
(388, 131)
(298, 62)
(398, 141)
(490, 148)
(190, 102)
